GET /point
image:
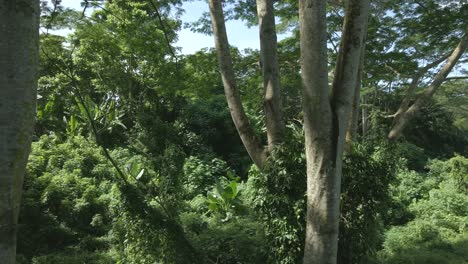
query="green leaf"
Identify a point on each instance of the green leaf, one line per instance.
(218, 189)
(111, 115)
(73, 124)
(49, 106)
(235, 191)
(82, 108)
(120, 124)
(227, 193)
(134, 170)
(212, 198)
(140, 174)
(213, 207)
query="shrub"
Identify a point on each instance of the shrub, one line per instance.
(438, 232)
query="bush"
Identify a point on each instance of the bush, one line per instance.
(222, 227)
(365, 200)
(438, 231)
(65, 198)
(72, 257)
(200, 175)
(75, 203)
(278, 196)
(239, 240)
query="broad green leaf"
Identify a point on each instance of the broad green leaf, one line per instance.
(218, 189)
(213, 206)
(140, 174)
(233, 185)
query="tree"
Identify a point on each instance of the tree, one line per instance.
(325, 116)
(18, 83)
(270, 68)
(271, 83)
(406, 111)
(408, 40)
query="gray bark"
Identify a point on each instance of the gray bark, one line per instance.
(364, 117)
(354, 115)
(325, 119)
(406, 112)
(322, 190)
(271, 76)
(253, 146)
(19, 21)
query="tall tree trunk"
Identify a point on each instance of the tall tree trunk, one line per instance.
(322, 186)
(325, 119)
(405, 113)
(270, 67)
(19, 20)
(354, 114)
(364, 117)
(253, 146)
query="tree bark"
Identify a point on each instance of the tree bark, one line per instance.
(406, 112)
(322, 190)
(271, 76)
(19, 20)
(256, 151)
(364, 117)
(325, 119)
(354, 114)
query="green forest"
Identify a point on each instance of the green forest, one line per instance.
(344, 142)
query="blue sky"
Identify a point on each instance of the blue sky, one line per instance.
(239, 35)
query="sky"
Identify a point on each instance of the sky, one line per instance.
(238, 34)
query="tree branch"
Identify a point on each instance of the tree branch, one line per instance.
(335, 48)
(337, 3)
(163, 28)
(249, 139)
(456, 78)
(404, 115)
(415, 82)
(270, 70)
(349, 64)
(353, 115)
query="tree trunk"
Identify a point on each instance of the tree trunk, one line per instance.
(405, 113)
(364, 117)
(19, 20)
(325, 119)
(354, 115)
(253, 146)
(323, 187)
(271, 77)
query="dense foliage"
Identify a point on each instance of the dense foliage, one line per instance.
(136, 159)
(436, 229)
